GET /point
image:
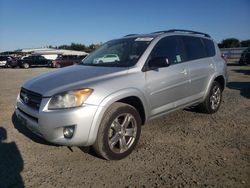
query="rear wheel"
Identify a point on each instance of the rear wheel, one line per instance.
(119, 132)
(26, 65)
(213, 99)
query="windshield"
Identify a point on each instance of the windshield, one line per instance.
(117, 53)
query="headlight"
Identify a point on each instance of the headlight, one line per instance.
(69, 99)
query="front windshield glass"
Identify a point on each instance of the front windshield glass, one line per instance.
(117, 53)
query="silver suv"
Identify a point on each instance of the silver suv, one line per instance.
(104, 104)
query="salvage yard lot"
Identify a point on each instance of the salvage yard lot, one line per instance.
(182, 149)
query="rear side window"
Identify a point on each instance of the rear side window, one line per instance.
(171, 48)
(3, 58)
(209, 45)
(194, 48)
(64, 57)
(110, 56)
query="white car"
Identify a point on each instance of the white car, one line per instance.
(108, 58)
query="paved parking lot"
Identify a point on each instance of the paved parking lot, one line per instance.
(182, 149)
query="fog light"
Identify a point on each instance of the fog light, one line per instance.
(68, 131)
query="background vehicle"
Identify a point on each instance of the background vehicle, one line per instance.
(66, 60)
(107, 58)
(104, 104)
(8, 61)
(32, 61)
(245, 57)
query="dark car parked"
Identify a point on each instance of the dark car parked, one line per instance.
(31, 61)
(67, 60)
(245, 57)
(8, 61)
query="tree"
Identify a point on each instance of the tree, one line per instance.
(245, 43)
(65, 47)
(78, 47)
(230, 43)
(93, 47)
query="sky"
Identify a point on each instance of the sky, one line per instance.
(39, 23)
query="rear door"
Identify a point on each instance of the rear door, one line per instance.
(200, 62)
(30, 60)
(166, 87)
(65, 60)
(35, 61)
(42, 60)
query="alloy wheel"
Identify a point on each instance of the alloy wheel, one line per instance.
(122, 133)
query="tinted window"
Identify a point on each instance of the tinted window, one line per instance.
(110, 56)
(194, 48)
(73, 57)
(64, 57)
(3, 58)
(171, 48)
(27, 58)
(209, 45)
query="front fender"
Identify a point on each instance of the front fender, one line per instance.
(108, 101)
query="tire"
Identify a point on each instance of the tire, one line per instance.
(26, 65)
(113, 141)
(213, 99)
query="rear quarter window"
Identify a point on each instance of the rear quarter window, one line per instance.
(209, 46)
(194, 48)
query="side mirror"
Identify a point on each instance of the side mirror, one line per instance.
(158, 62)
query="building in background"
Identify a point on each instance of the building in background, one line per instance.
(50, 53)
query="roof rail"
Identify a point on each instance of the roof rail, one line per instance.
(130, 35)
(184, 31)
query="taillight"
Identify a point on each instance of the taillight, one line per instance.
(224, 58)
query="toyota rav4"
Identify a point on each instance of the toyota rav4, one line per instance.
(104, 104)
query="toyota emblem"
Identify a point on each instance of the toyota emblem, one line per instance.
(25, 99)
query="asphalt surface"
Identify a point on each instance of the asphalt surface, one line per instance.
(182, 149)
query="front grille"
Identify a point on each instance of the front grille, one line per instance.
(31, 98)
(31, 117)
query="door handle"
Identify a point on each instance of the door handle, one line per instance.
(184, 71)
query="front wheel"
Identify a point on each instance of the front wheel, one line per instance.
(119, 132)
(213, 99)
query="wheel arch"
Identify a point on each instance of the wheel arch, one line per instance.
(219, 78)
(221, 81)
(131, 96)
(137, 104)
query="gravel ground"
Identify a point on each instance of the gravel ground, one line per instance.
(182, 149)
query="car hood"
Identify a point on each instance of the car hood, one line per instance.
(70, 78)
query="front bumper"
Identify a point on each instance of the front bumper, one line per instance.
(49, 124)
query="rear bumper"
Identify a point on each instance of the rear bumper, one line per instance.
(49, 124)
